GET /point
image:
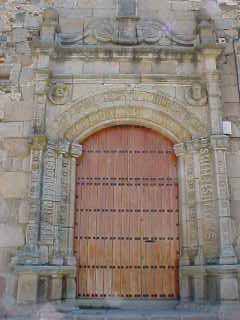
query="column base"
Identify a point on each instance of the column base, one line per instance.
(56, 287)
(228, 258)
(27, 288)
(44, 283)
(229, 311)
(228, 288)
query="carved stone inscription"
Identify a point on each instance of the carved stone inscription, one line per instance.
(192, 228)
(49, 196)
(208, 207)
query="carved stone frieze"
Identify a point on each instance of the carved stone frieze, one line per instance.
(134, 31)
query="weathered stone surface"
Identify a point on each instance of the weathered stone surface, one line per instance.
(11, 236)
(14, 184)
(2, 287)
(27, 288)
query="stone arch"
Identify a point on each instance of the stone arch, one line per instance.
(149, 108)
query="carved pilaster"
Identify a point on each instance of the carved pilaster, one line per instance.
(49, 26)
(208, 208)
(215, 104)
(219, 146)
(194, 203)
(180, 151)
(48, 29)
(75, 152)
(64, 222)
(31, 254)
(41, 88)
(50, 201)
(58, 180)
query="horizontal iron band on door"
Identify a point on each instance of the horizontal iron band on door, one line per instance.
(130, 151)
(127, 238)
(129, 267)
(128, 179)
(161, 295)
(128, 210)
(113, 184)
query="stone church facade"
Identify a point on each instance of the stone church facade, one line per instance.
(70, 69)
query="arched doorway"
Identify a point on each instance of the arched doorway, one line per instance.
(126, 236)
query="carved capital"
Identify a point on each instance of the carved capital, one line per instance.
(39, 143)
(180, 149)
(64, 148)
(76, 150)
(220, 142)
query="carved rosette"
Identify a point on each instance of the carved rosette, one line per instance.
(59, 94)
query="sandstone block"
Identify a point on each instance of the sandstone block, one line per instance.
(2, 286)
(14, 184)
(15, 129)
(27, 288)
(229, 289)
(11, 236)
(99, 67)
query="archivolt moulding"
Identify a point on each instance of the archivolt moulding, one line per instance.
(151, 109)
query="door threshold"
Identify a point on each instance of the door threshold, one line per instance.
(118, 303)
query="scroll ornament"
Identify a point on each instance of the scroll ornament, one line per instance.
(107, 30)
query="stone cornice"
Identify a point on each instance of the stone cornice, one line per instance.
(106, 51)
(139, 78)
(153, 51)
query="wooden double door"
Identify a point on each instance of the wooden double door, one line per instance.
(126, 237)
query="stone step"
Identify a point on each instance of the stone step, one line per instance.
(67, 311)
(139, 315)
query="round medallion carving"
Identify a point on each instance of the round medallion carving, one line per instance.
(196, 95)
(59, 94)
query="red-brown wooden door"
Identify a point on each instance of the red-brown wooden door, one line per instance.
(126, 222)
